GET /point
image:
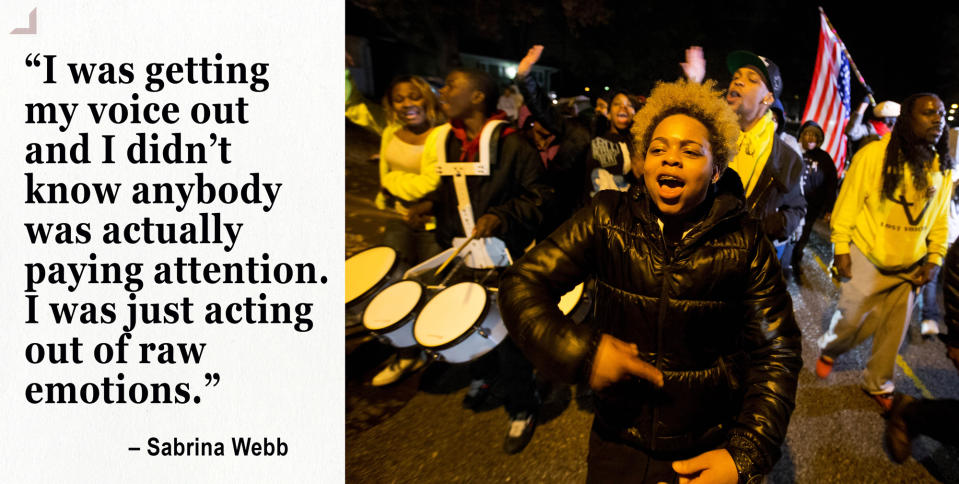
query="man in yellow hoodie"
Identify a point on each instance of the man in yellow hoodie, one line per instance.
(889, 227)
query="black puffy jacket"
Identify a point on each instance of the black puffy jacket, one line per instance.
(713, 315)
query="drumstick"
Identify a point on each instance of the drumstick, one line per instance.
(450, 259)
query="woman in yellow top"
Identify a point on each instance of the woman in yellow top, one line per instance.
(889, 227)
(405, 121)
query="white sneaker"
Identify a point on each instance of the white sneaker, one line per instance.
(398, 368)
(929, 327)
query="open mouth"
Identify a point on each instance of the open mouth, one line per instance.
(412, 113)
(670, 187)
(732, 96)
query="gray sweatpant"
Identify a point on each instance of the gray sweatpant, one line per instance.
(871, 303)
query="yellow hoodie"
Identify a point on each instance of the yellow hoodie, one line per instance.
(893, 234)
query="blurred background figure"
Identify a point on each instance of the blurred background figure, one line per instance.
(510, 102)
(819, 187)
(609, 165)
(863, 131)
(602, 107)
(563, 144)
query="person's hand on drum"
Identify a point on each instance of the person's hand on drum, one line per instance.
(417, 215)
(486, 226)
(616, 360)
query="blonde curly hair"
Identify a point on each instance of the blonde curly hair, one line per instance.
(699, 101)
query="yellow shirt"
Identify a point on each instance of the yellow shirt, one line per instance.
(755, 146)
(893, 234)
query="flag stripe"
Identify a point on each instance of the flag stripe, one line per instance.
(828, 101)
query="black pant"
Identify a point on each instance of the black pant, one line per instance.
(938, 419)
(797, 251)
(515, 373)
(612, 461)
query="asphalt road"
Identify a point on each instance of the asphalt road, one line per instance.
(417, 431)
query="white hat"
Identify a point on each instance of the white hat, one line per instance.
(886, 109)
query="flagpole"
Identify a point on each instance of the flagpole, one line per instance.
(852, 63)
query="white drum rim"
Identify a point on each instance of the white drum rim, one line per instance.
(379, 283)
(469, 329)
(578, 292)
(401, 320)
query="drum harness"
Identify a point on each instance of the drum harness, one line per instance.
(459, 172)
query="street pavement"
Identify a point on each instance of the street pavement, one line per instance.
(417, 431)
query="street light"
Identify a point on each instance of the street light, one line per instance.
(586, 88)
(510, 71)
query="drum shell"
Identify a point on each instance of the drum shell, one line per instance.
(480, 338)
(401, 336)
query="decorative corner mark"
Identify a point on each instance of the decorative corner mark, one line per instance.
(32, 29)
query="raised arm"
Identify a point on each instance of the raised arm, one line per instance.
(695, 66)
(537, 101)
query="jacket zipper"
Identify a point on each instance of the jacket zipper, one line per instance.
(667, 259)
(661, 318)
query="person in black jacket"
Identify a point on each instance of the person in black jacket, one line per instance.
(608, 155)
(693, 347)
(819, 186)
(770, 171)
(565, 150)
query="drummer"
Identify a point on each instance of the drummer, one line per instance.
(507, 204)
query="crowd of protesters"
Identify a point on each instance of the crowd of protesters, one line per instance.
(688, 210)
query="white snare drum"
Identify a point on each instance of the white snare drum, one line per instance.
(576, 303)
(369, 271)
(390, 314)
(461, 323)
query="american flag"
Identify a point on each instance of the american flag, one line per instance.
(828, 100)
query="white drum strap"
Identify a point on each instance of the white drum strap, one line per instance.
(627, 165)
(460, 170)
(463, 203)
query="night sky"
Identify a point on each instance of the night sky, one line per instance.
(633, 44)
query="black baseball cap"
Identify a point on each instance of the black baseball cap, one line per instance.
(766, 67)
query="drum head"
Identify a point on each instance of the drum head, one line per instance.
(569, 300)
(450, 314)
(366, 269)
(392, 305)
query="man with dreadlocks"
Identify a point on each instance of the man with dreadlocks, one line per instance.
(889, 227)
